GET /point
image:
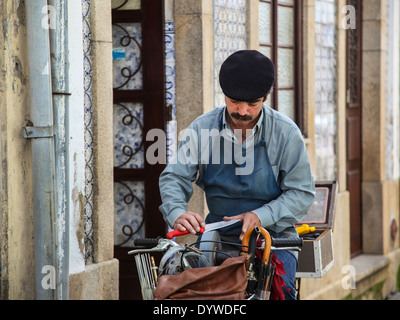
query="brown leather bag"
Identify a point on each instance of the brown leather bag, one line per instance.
(227, 281)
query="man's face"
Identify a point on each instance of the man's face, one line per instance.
(244, 114)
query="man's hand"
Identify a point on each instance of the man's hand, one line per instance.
(190, 221)
(249, 220)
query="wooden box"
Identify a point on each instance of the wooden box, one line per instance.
(316, 256)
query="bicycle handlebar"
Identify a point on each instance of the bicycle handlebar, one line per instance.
(146, 242)
(286, 242)
(275, 242)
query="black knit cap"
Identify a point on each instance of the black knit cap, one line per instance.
(246, 75)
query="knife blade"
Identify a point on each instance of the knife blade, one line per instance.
(219, 225)
(208, 227)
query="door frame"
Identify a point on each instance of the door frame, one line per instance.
(354, 127)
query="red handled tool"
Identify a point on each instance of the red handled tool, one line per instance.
(208, 227)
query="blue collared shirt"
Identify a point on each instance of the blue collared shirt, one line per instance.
(287, 154)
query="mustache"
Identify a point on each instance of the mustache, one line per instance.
(237, 116)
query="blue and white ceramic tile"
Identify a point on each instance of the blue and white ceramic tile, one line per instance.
(128, 218)
(128, 135)
(171, 139)
(88, 116)
(128, 132)
(170, 86)
(229, 36)
(170, 66)
(127, 69)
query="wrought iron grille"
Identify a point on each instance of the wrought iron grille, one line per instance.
(128, 131)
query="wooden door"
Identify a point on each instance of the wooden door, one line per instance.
(139, 106)
(353, 127)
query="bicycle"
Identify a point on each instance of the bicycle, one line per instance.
(258, 269)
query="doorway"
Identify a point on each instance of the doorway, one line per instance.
(139, 106)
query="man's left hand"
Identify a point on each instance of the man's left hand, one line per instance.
(249, 220)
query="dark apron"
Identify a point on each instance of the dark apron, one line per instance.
(229, 194)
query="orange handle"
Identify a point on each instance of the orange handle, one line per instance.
(176, 233)
(267, 238)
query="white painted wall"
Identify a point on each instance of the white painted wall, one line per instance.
(75, 143)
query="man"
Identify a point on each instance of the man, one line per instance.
(276, 190)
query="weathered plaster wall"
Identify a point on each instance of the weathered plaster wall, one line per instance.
(100, 279)
(16, 186)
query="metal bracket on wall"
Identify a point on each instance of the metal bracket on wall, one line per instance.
(31, 132)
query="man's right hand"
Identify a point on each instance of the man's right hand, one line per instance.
(190, 221)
